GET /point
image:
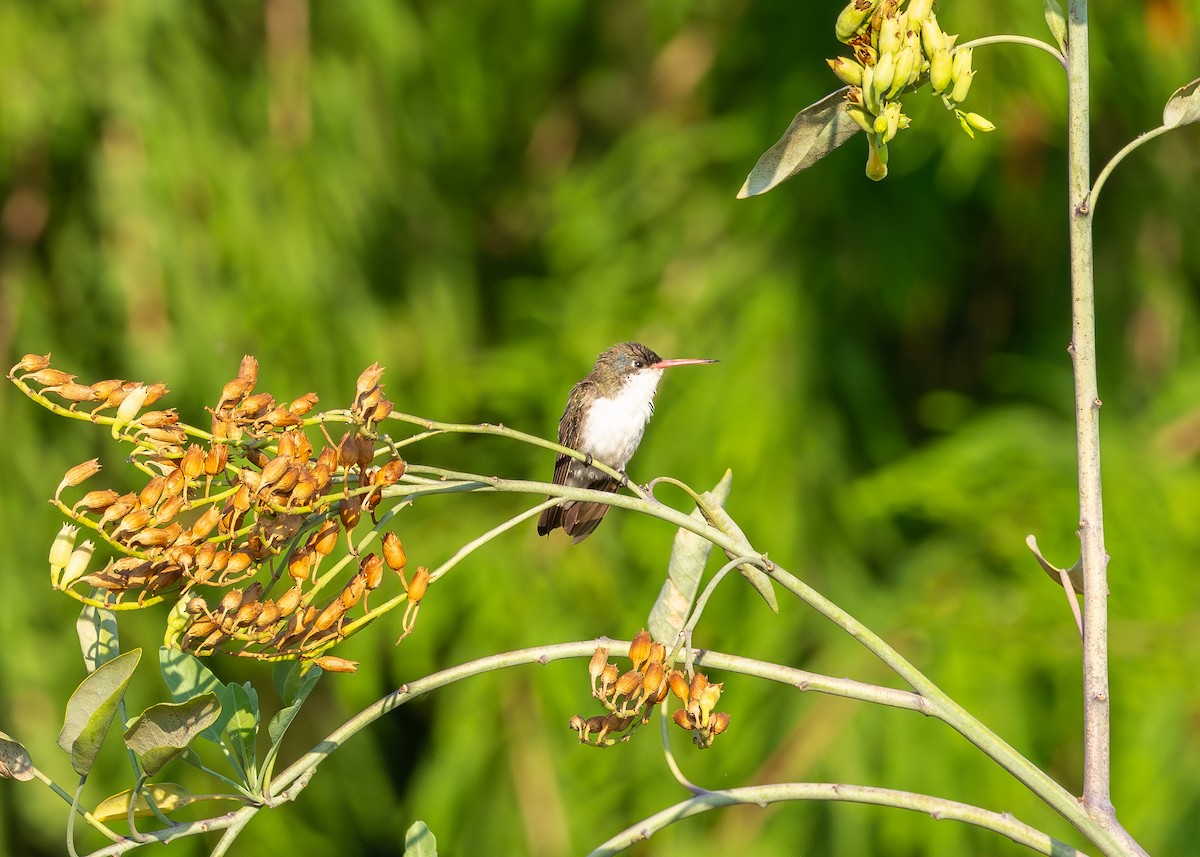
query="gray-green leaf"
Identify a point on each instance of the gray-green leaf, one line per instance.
(242, 725)
(1057, 22)
(187, 677)
(294, 689)
(1183, 107)
(15, 763)
(419, 841)
(688, 557)
(815, 132)
(97, 630)
(91, 709)
(163, 731)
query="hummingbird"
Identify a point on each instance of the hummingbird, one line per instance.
(605, 418)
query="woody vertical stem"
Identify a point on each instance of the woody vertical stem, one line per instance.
(1096, 767)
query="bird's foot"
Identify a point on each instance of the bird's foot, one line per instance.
(624, 483)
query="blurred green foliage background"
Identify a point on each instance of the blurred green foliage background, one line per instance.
(482, 196)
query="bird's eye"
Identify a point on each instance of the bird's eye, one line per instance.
(637, 364)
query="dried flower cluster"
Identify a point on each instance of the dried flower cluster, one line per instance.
(252, 508)
(630, 697)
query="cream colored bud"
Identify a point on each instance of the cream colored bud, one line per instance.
(853, 18)
(130, 405)
(77, 565)
(60, 550)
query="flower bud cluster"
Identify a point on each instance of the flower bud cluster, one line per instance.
(253, 507)
(630, 697)
(898, 46)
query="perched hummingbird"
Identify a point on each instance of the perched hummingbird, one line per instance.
(605, 418)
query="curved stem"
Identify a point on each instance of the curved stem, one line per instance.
(1018, 40)
(1117, 158)
(938, 808)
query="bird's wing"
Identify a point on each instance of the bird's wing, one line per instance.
(569, 428)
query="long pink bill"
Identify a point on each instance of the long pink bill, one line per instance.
(681, 361)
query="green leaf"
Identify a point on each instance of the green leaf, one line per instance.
(186, 676)
(91, 709)
(15, 763)
(242, 725)
(1057, 21)
(295, 689)
(419, 841)
(688, 558)
(163, 731)
(97, 630)
(1183, 107)
(815, 132)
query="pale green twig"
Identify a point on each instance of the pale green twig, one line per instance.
(938, 808)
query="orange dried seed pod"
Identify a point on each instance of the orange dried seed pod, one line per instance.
(304, 404)
(31, 363)
(193, 462)
(153, 490)
(98, 501)
(418, 585)
(334, 664)
(80, 473)
(50, 377)
(393, 552)
(639, 648)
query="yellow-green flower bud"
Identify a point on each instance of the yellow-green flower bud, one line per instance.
(918, 11)
(890, 35)
(853, 17)
(978, 122)
(962, 62)
(903, 74)
(77, 565)
(962, 85)
(861, 118)
(932, 37)
(941, 70)
(885, 72)
(847, 70)
(891, 116)
(880, 125)
(869, 95)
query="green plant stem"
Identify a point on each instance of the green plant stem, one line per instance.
(1096, 763)
(1009, 39)
(1116, 159)
(938, 808)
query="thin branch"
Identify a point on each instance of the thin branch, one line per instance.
(1018, 40)
(938, 808)
(1094, 197)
